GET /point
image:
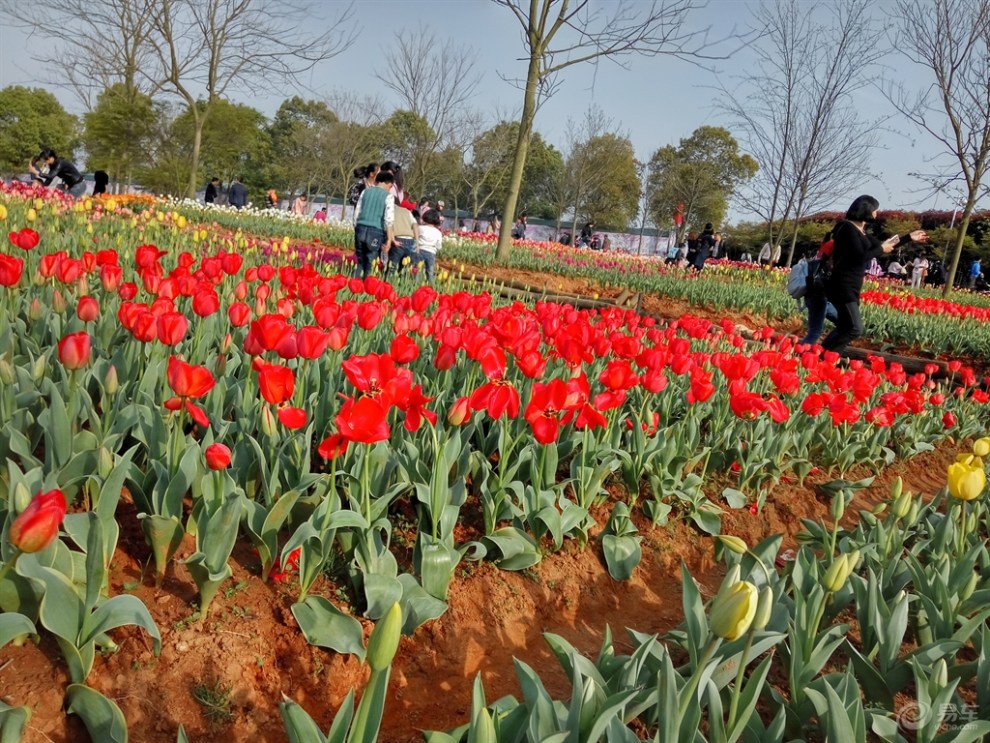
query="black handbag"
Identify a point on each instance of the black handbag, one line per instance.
(819, 271)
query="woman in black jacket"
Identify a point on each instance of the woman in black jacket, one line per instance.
(851, 256)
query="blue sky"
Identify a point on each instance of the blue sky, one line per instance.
(656, 101)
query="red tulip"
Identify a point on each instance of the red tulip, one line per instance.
(269, 330)
(217, 457)
(74, 350)
(188, 381)
(36, 526)
(205, 303)
(311, 341)
(171, 327)
(949, 419)
(147, 256)
(363, 421)
(403, 349)
(10, 270)
(332, 446)
(544, 411)
(292, 418)
(239, 314)
(26, 239)
(88, 309)
(276, 382)
(110, 277)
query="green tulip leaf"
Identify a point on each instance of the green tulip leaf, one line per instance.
(120, 611)
(299, 726)
(103, 719)
(418, 606)
(326, 626)
(13, 626)
(12, 722)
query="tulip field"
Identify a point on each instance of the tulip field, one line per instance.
(208, 400)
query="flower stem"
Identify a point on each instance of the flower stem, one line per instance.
(10, 564)
(737, 689)
(692, 684)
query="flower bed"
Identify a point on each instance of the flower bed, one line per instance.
(250, 397)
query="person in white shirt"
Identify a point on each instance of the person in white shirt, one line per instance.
(919, 270)
(428, 243)
(896, 270)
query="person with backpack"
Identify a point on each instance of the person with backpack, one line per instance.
(374, 217)
(851, 253)
(365, 179)
(813, 277)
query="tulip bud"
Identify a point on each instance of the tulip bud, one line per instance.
(970, 588)
(21, 497)
(110, 383)
(868, 518)
(838, 506)
(35, 310)
(940, 674)
(31, 215)
(902, 506)
(58, 302)
(763, 608)
(38, 369)
(913, 514)
(971, 522)
(105, 465)
(733, 610)
(6, 372)
(896, 488)
(217, 457)
(37, 525)
(733, 544)
(268, 423)
(74, 350)
(878, 509)
(981, 447)
(459, 412)
(384, 640)
(838, 572)
(731, 577)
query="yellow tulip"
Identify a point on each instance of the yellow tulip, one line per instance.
(733, 610)
(3, 213)
(38, 203)
(181, 221)
(31, 215)
(982, 447)
(966, 482)
(110, 205)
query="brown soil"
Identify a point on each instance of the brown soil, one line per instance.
(250, 643)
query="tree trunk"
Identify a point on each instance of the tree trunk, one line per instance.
(950, 276)
(519, 159)
(198, 123)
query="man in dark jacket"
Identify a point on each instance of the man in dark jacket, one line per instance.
(212, 191)
(72, 180)
(238, 196)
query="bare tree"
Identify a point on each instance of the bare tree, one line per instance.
(353, 141)
(583, 169)
(796, 116)
(950, 40)
(435, 79)
(108, 41)
(560, 33)
(214, 46)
